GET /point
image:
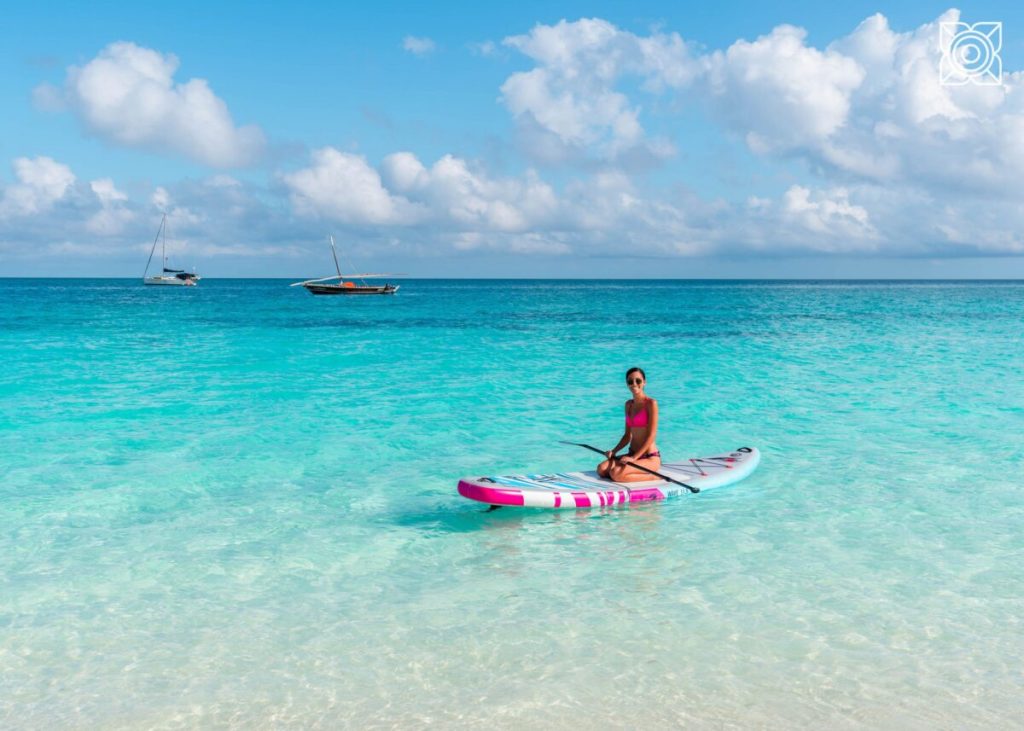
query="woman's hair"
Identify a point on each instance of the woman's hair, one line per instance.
(636, 370)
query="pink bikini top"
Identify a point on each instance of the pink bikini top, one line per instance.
(638, 419)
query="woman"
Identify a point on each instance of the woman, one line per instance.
(641, 428)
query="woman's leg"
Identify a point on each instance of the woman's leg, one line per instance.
(626, 473)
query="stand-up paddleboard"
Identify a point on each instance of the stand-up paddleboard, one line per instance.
(587, 490)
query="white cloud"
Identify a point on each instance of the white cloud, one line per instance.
(403, 171)
(867, 112)
(870, 106)
(784, 93)
(577, 119)
(460, 196)
(450, 194)
(453, 205)
(457, 204)
(781, 92)
(343, 187)
(160, 199)
(212, 217)
(42, 181)
(829, 213)
(570, 99)
(107, 193)
(418, 46)
(127, 95)
(113, 214)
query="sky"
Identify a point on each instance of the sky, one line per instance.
(528, 139)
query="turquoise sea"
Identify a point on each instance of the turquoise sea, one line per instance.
(235, 506)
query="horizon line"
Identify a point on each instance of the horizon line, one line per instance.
(574, 279)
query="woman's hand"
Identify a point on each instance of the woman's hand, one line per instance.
(610, 454)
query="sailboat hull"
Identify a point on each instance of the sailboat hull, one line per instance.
(340, 289)
(169, 282)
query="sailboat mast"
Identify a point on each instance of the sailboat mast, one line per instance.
(163, 245)
(153, 248)
(334, 252)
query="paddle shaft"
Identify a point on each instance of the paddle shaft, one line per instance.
(691, 488)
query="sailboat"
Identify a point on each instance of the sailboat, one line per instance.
(344, 285)
(169, 277)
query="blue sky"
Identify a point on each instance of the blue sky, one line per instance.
(530, 139)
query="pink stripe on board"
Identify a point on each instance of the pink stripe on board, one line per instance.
(646, 493)
(582, 499)
(558, 499)
(491, 495)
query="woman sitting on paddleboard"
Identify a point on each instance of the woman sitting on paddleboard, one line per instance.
(641, 428)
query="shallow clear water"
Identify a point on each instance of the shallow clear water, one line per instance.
(235, 505)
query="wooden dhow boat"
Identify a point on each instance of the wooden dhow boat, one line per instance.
(343, 284)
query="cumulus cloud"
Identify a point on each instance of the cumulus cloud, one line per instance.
(47, 211)
(47, 206)
(829, 213)
(462, 196)
(47, 203)
(127, 95)
(459, 204)
(42, 181)
(418, 46)
(870, 106)
(114, 214)
(222, 216)
(453, 205)
(783, 92)
(160, 198)
(344, 187)
(867, 113)
(571, 100)
(963, 139)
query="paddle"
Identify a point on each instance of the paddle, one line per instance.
(691, 488)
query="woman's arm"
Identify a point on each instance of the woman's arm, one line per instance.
(622, 443)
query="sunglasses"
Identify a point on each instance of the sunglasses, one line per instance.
(634, 381)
